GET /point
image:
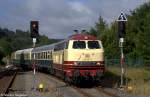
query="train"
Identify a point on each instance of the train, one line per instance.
(79, 57)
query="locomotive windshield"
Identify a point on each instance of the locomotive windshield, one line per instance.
(93, 45)
(79, 45)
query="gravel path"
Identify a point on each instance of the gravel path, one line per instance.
(26, 81)
(53, 87)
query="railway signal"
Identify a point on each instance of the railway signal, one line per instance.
(121, 34)
(34, 29)
(121, 25)
(121, 29)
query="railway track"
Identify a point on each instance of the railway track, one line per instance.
(85, 93)
(6, 80)
(100, 90)
(106, 92)
(82, 92)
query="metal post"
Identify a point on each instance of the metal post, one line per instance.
(121, 33)
(122, 69)
(34, 65)
(121, 61)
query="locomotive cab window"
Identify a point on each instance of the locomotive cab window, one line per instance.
(79, 45)
(93, 45)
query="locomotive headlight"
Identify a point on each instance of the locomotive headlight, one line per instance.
(75, 63)
(98, 63)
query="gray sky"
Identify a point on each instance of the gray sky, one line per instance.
(58, 18)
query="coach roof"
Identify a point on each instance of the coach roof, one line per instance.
(24, 51)
(43, 48)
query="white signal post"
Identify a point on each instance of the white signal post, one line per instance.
(121, 60)
(122, 18)
(34, 64)
(34, 27)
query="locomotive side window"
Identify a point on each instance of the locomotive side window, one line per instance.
(79, 45)
(93, 45)
(66, 45)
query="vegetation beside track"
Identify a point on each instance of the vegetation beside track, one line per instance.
(136, 78)
(137, 41)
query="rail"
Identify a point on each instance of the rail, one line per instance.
(6, 80)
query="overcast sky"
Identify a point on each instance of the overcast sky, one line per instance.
(58, 18)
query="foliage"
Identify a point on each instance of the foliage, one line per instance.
(11, 41)
(137, 41)
(137, 78)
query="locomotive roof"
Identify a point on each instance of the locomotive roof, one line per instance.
(82, 37)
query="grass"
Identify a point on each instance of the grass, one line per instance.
(137, 79)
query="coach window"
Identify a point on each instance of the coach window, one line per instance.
(27, 56)
(43, 55)
(51, 54)
(46, 55)
(39, 57)
(36, 55)
(79, 45)
(32, 55)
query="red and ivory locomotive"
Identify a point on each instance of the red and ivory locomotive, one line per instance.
(81, 56)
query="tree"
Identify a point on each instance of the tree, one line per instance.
(11, 41)
(137, 41)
